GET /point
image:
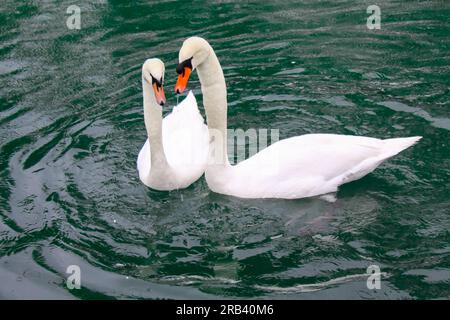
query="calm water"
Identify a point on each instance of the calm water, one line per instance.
(71, 126)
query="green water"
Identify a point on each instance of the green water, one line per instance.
(71, 126)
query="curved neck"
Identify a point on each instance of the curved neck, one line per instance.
(214, 92)
(153, 124)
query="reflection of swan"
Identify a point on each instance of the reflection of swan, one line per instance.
(179, 143)
(305, 166)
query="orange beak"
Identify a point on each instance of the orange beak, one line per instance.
(183, 79)
(159, 94)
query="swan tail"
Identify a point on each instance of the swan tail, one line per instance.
(396, 145)
(390, 148)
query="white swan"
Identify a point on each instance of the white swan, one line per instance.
(176, 151)
(302, 166)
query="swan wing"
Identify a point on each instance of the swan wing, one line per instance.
(143, 162)
(186, 140)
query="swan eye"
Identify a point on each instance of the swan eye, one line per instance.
(157, 82)
(185, 64)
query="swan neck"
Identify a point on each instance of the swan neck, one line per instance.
(214, 92)
(153, 124)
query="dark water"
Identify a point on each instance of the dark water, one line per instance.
(71, 126)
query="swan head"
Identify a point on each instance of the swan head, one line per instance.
(193, 52)
(153, 74)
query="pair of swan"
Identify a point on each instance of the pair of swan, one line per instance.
(305, 166)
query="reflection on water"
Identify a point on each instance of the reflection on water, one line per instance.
(71, 126)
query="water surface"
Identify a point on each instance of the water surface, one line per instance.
(71, 126)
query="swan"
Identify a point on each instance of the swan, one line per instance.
(301, 166)
(176, 151)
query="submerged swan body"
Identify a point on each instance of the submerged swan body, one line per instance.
(297, 167)
(176, 151)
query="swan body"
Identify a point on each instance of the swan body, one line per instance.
(304, 166)
(297, 167)
(176, 151)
